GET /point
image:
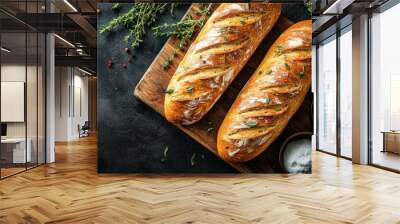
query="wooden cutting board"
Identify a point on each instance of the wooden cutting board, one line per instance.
(151, 90)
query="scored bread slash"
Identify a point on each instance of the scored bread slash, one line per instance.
(220, 50)
(152, 86)
(269, 99)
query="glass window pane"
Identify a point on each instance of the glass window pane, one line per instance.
(41, 99)
(13, 86)
(385, 80)
(346, 94)
(31, 97)
(327, 96)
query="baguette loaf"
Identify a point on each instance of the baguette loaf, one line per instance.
(270, 98)
(216, 56)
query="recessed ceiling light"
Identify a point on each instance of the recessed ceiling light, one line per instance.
(70, 5)
(84, 71)
(338, 6)
(64, 40)
(5, 50)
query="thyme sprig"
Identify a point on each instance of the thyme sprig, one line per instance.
(116, 6)
(183, 30)
(308, 5)
(140, 16)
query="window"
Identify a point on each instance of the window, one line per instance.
(327, 96)
(385, 89)
(22, 101)
(346, 92)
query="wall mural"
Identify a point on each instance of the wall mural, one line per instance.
(204, 88)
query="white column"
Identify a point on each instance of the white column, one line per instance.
(314, 90)
(50, 92)
(50, 100)
(360, 90)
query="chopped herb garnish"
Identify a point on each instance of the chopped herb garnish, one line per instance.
(279, 50)
(287, 66)
(269, 72)
(165, 151)
(189, 89)
(165, 156)
(251, 123)
(242, 22)
(237, 42)
(301, 74)
(168, 61)
(210, 129)
(267, 100)
(169, 91)
(193, 159)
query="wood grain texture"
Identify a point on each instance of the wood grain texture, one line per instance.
(152, 86)
(71, 191)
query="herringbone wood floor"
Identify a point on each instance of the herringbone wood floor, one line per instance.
(71, 191)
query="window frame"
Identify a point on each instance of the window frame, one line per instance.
(337, 35)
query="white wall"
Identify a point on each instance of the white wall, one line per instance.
(16, 73)
(33, 127)
(71, 93)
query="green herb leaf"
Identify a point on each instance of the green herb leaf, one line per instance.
(165, 151)
(287, 66)
(267, 100)
(308, 5)
(251, 123)
(135, 21)
(242, 22)
(193, 159)
(210, 129)
(301, 74)
(183, 30)
(173, 7)
(165, 156)
(168, 61)
(279, 49)
(116, 6)
(169, 91)
(189, 89)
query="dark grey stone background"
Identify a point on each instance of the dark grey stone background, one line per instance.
(131, 136)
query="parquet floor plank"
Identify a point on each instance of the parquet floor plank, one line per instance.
(71, 191)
